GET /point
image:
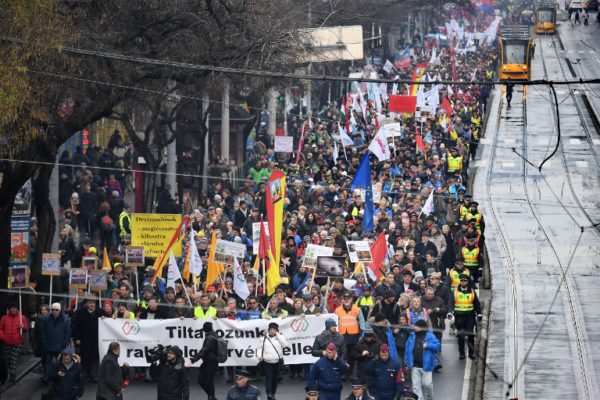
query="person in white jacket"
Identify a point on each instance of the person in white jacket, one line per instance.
(270, 355)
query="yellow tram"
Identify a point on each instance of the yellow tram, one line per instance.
(545, 18)
(515, 47)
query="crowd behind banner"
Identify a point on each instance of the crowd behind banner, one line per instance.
(408, 204)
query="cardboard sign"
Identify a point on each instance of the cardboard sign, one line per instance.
(78, 278)
(359, 251)
(89, 263)
(98, 280)
(51, 264)
(134, 256)
(284, 144)
(225, 251)
(19, 277)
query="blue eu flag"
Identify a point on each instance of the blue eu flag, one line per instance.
(362, 180)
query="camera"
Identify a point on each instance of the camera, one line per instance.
(156, 354)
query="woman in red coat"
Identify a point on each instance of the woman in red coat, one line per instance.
(12, 330)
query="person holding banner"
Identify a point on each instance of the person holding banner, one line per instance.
(270, 356)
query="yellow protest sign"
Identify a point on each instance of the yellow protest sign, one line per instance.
(154, 232)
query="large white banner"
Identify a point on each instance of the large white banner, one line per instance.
(244, 337)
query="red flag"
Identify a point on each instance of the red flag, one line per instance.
(447, 106)
(420, 144)
(378, 252)
(403, 104)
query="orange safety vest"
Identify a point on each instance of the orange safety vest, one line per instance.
(348, 320)
(471, 256)
(454, 277)
(463, 302)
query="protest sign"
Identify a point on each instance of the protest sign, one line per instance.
(98, 280)
(225, 251)
(359, 251)
(19, 277)
(51, 264)
(284, 144)
(134, 256)
(244, 337)
(153, 232)
(332, 267)
(256, 235)
(78, 278)
(313, 251)
(89, 263)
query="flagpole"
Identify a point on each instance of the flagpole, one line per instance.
(345, 155)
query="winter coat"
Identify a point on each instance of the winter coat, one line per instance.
(364, 361)
(249, 392)
(429, 353)
(69, 386)
(440, 243)
(10, 331)
(271, 348)
(56, 333)
(326, 337)
(437, 318)
(110, 378)
(173, 380)
(85, 329)
(327, 374)
(386, 378)
(208, 352)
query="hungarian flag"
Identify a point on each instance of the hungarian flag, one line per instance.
(403, 104)
(378, 252)
(447, 106)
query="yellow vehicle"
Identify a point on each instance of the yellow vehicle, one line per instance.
(515, 47)
(545, 18)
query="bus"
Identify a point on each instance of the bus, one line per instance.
(514, 47)
(545, 18)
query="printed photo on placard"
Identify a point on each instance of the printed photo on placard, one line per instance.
(134, 256)
(51, 264)
(98, 280)
(332, 267)
(89, 263)
(78, 278)
(359, 251)
(19, 277)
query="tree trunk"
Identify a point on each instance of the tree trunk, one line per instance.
(45, 217)
(6, 207)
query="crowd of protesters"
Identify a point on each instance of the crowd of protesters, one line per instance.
(390, 324)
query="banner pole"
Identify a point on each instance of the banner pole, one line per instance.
(21, 312)
(51, 280)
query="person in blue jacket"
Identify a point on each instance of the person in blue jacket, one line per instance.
(66, 375)
(420, 356)
(327, 374)
(386, 375)
(56, 335)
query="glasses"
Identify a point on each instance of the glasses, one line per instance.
(54, 309)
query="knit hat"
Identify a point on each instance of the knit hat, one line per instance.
(384, 348)
(330, 323)
(56, 306)
(331, 347)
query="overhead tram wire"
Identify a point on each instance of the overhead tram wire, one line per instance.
(273, 74)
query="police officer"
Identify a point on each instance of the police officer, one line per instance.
(454, 274)
(124, 223)
(359, 391)
(172, 375)
(312, 393)
(327, 374)
(242, 389)
(386, 375)
(464, 306)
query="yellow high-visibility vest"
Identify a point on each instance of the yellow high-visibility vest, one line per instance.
(455, 164)
(471, 256)
(454, 277)
(463, 302)
(199, 312)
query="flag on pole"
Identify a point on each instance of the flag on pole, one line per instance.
(346, 140)
(428, 206)
(420, 144)
(195, 262)
(159, 263)
(447, 106)
(362, 180)
(378, 253)
(387, 67)
(379, 146)
(214, 268)
(105, 261)
(173, 273)
(275, 198)
(417, 75)
(240, 287)
(185, 274)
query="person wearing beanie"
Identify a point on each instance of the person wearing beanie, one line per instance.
(66, 375)
(385, 375)
(210, 365)
(420, 356)
(327, 374)
(56, 335)
(270, 356)
(329, 335)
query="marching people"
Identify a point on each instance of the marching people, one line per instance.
(270, 355)
(56, 335)
(66, 375)
(351, 322)
(327, 374)
(329, 335)
(111, 377)
(365, 351)
(420, 357)
(242, 389)
(386, 375)
(172, 375)
(359, 391)
(85, 336)
(464, 307)
(312, 393)
(208, 354)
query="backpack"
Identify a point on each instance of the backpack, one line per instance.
(222, 352)
(107, 223)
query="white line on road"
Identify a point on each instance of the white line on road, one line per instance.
(581, 164)
(467, 378)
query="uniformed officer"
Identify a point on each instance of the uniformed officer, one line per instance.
(464, 306)
(242, 389)
(454, 274)
(359, 391)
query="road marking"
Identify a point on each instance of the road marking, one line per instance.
(466, 380)
(574, 141)
(508, 164)
(596, 142)
(581, 164)
(581, 51)
(509, 140)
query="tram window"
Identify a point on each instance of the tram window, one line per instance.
(515, 54)
(544, 16)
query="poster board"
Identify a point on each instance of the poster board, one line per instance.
(154, 232)
(51, 264)
(134, 256)
(225, 251)
(313, 251)
(18, 277)
(89, 263)
(78, 278)
(332, 267)
(256, 235)
(359, 251)
(284, 144)
(98, 280)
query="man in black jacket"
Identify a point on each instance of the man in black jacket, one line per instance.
(208, 354)
(110, 378)
(172, 375)
(85, 335)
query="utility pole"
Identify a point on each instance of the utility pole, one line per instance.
(225, 122)
(309, 70)
(205, 104)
